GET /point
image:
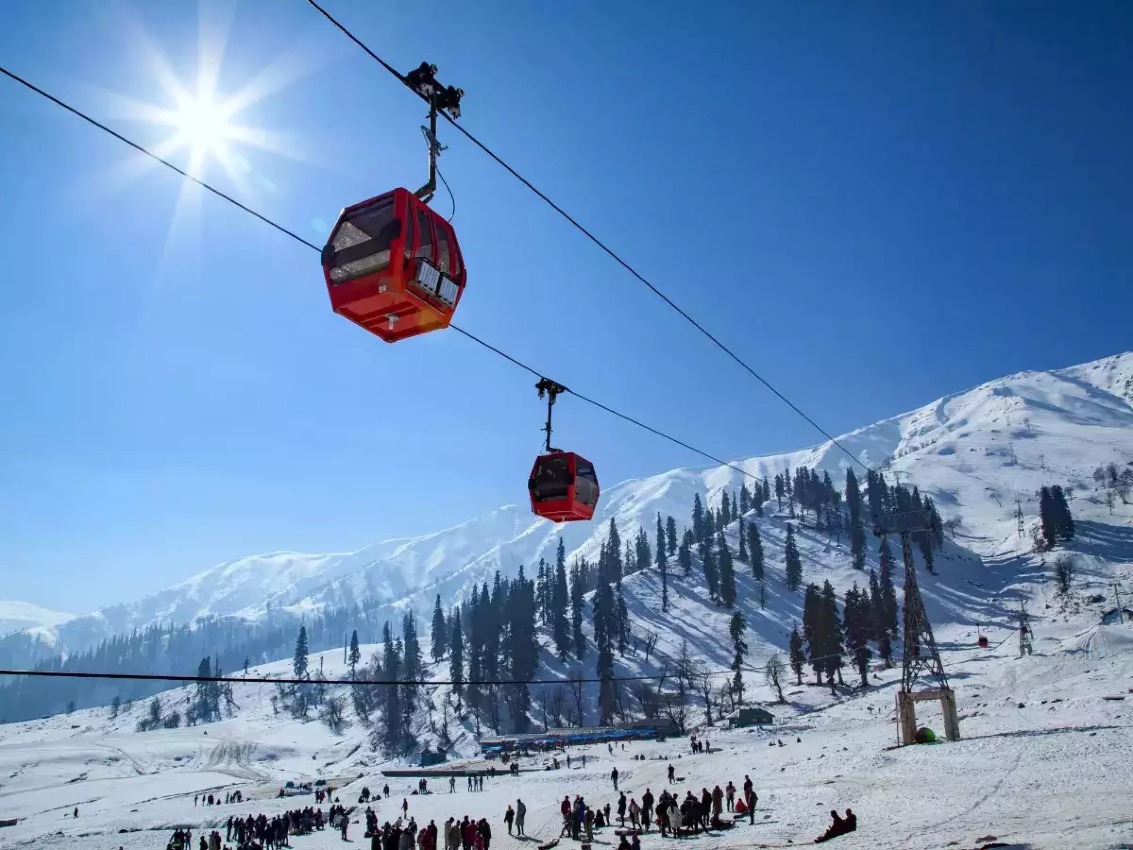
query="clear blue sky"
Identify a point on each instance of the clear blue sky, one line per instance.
(874, 203)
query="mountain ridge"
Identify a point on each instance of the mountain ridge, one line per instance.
(1074, 413)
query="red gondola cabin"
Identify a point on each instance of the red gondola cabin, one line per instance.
(563, 487)
(393, 266)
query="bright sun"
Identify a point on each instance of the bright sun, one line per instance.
(208, 124)
(202, 126)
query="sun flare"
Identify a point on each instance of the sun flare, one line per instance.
(202, 126)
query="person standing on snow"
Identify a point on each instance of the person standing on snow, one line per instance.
(509, 817)
(614, 777)
(520, 814)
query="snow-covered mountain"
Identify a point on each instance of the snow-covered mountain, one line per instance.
(975, 452)
(16, 616)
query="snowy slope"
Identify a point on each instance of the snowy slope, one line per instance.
(1043, 763)
(16, 616)
(975, 452)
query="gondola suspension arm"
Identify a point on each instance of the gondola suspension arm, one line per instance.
(551, 390)
(423, 80)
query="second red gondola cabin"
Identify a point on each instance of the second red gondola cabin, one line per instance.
(563, 487)
(393, 266)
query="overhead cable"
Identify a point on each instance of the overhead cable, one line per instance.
(280, 228)
(614, 255)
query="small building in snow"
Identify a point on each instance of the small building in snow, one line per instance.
(750, 716)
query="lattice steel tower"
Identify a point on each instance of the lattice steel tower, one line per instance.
(920, 657)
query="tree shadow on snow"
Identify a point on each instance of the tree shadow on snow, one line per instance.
(1109, 542)
(1034, 733)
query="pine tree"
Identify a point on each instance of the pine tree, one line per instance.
(684, 554)
(887, 613)
(736, 629)
(1046, 518)
(560, 600)
(542, 593)
(697, 519)
(755, 551)
(473, 644)
(393, 717)
(204, 704)
(798, 657)
(745, 499)
(299, 664)
(725, 510)
(779, 490)
(857, 531)
(577, 591)
(876, 606)
(614, 566)
(355, 653)
(622, 620)
(858, 620)
(671, 535)
(523, 645)
(1063, 518)
(813, 629)
(794, 565)
(493, 628)
(411, 647)
(660, 540)
(662, 565)
(832, 635)
(456, 653)
(642, 552)
(711, 568)
(923, 539)
(603, 639)
(727, 572)
(741, 535)
(439, 634)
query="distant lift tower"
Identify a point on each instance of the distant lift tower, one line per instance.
(1025, 633)
(921, 658)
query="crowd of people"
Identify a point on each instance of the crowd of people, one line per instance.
(673, 816)
(259, 832)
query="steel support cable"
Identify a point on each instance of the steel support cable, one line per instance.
(280, 228)
(610, 252)
(292, 680)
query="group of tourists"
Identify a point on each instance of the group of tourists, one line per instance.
(214, 799)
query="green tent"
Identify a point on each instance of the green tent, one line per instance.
(925, 736)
